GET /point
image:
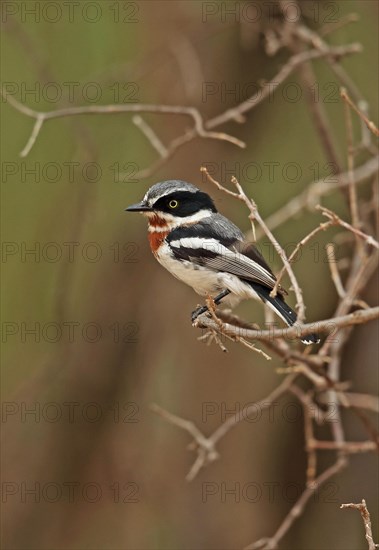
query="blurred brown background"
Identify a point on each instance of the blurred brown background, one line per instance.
(106, 472)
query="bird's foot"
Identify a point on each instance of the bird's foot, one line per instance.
(211, 304)
(198, 311)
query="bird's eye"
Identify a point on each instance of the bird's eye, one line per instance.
(173, 203)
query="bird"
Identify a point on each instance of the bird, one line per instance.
(208, 252)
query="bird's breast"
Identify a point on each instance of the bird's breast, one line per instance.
(158, 229)
(156, 239)
(204, 281)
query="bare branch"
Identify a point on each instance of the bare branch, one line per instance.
(350, 164)
(337, 221)
(314, 39)
(254, 214)
(334, 270)
(319, 188)
(366, 521)
(205, 446)
(292, 64)
(321, 227)
(200, 129)
(326, 326)
(342, 22)
(351, 447)
(149, 133)
(298, 509)
(41, 117)
(309, 415)
(265, 403)
(369, 123)
(361, 400)
(33, 136)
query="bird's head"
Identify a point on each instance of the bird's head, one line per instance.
(173, 203)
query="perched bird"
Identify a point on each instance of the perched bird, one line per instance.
(207, 251)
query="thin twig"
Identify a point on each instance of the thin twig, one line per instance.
(265, 403)
(205, 446)
(316, 108)
(315, 40)
(292, 64)
(337, 221)
(317, 189)
(369, 123)
(298, 508)
(351, 447)
(359, 275)
(308, 408)
(342, 22)
(321, 227)
(334, 270)
(366, 521)
(350, 165)
(361, 400)
(150, 135)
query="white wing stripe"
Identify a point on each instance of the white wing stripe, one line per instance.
(226, 259)
(200, 242)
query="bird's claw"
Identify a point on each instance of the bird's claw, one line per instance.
(198, 311)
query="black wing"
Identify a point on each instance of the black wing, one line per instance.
(218, 244)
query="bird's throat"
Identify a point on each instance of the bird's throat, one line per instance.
(156, 238)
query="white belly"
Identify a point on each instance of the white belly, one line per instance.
(205, 281)
(202, 280)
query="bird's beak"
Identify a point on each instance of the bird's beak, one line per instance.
(139, 207)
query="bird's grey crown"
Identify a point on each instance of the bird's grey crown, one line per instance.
(166, 187)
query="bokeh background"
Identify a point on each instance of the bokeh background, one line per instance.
(111, 327)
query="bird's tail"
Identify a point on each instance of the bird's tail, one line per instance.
(279, 306)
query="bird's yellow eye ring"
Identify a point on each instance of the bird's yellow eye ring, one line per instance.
(173, 203)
